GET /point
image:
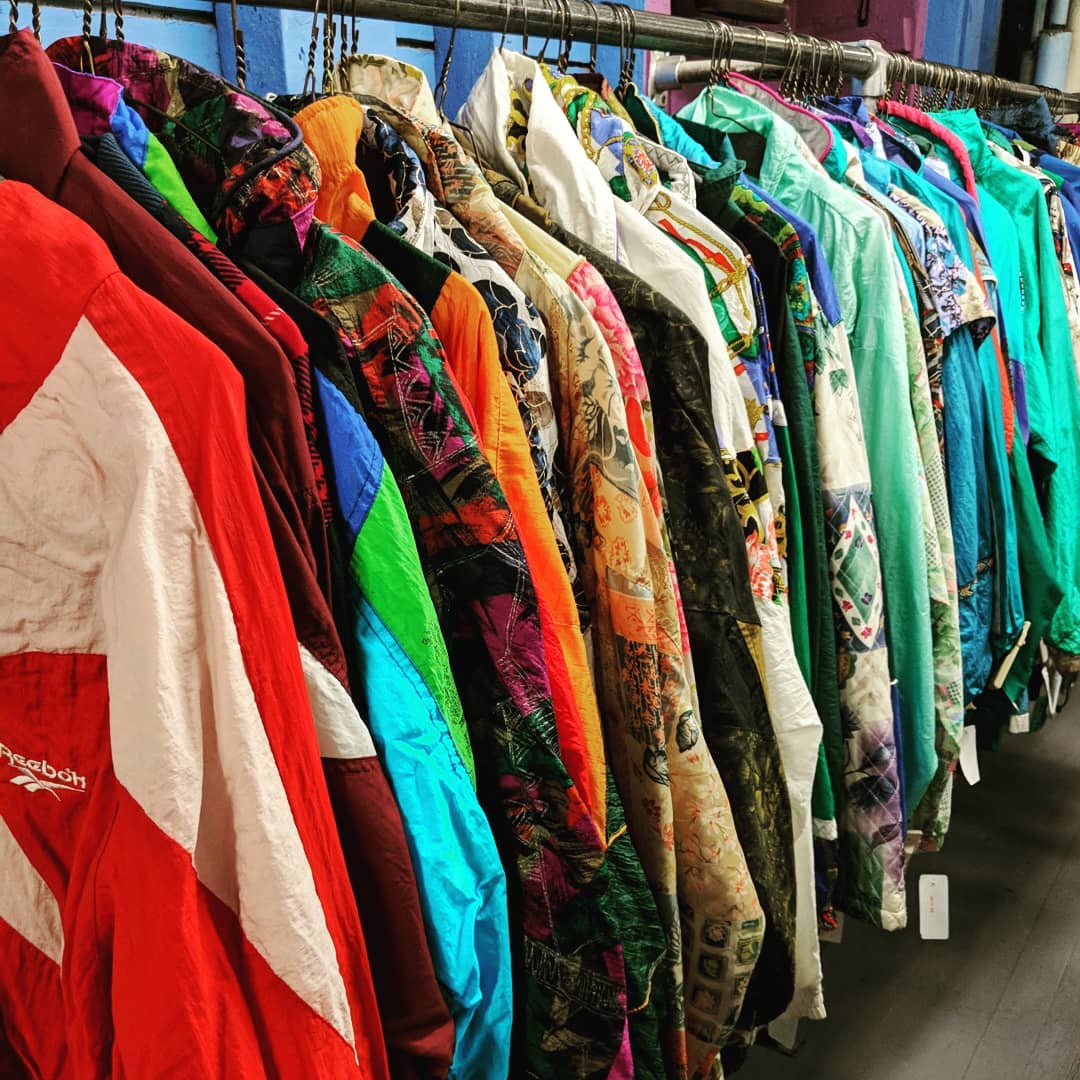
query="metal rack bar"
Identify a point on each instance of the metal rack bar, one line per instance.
(673, 72)
(670, 33)
(586, 21)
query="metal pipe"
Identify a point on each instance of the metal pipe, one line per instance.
(669, 33)
(588, 21)
(670, 73)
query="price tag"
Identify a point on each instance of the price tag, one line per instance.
(934, 907)
(969, 755)
(785, 1031)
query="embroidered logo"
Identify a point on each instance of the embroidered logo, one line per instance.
(38, 774)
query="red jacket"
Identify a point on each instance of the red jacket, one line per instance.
(174, 898)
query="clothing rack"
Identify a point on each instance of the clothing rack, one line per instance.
(603, 23)
(583, 20)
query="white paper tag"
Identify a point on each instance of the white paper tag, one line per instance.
(837, 935)
(969, 755)
(933, 907)
(1019, 723)
(785, 1031)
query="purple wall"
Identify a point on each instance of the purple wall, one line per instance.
(900, 25)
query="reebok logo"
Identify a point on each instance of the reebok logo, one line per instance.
(38, 774)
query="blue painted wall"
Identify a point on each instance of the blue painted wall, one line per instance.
(963, 32)
(189, 31)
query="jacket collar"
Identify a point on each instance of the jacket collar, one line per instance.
(948, 138)
(403, 169)
(397, 83)
(966, 125)
(40, 138)
(97, 105)
(339, 129)
(245, 163)
(814, 131)
(728, 110)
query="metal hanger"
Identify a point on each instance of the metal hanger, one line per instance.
(724, 35)
(788, 80)
(329, 37)
(714, 52)
(440, 87)
(313, 46)
(838, 67)
(566, 35)
(86, 59)
(238, 47)
(627, 38)
(723, 50)
(541, 56)
(594, 48)
(812, 82)
(626, 73)
(505, 26)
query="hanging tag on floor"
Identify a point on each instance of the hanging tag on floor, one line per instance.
(969, 755)
(934, 907)
(1020, 723)
(785, 1031)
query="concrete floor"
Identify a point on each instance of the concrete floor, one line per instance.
(1000, 1000)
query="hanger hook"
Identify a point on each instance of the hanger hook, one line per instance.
(617, 15)
(566, 32)
(804, 79)
(238, 47)
(86, 61)
(790, 63)
(329, 34)
(727, 51)
(764, 48)
(13, 16)
(792, 67)
(505, 26)
(541, 56)
(825, 70)
(714, 29)
(628, 73)
(343, 45)
(809, 85)
(817, 50)
(557, 28)
(313, 45)
(440, 86)
(595, 46)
